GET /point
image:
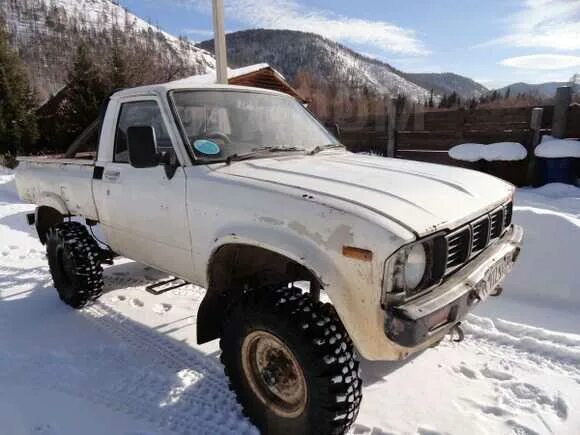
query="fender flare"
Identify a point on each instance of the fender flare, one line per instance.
(318, 263)
(54, 201)
(297, 250)
(50, 210)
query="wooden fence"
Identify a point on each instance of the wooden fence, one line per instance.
(439, 131)
(428, 136)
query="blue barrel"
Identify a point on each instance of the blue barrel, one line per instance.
(558, 170)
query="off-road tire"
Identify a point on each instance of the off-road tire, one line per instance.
(319, 342)
(75, 266)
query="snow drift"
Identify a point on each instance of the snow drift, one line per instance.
(496, 152)
(558, 148)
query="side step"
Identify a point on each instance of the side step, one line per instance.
(161, 287)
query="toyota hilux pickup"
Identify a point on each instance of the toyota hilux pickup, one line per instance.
(242, 191)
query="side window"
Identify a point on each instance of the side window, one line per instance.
(140, 114)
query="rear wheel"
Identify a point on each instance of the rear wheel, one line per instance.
(291, 363)
(73, 258)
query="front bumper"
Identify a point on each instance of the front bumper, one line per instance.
(429, 317)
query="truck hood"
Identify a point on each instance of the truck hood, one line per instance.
(422, 197)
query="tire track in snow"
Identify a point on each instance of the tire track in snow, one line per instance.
(166, 351)
(539, 345)
(146, 376)
(211, 408)
(112, 376)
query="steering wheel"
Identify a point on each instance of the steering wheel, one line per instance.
(218, 135)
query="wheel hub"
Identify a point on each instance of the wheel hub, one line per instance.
(274, 373)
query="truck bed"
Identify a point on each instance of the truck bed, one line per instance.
(61, 183)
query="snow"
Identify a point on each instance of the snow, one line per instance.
(129, 363)
(504, 152)
(210, 78)
(501, 151)
(467, 152)
(558, 148)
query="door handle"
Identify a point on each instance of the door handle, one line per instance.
(112, 175)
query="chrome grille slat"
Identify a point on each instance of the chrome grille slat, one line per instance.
(480, 231)
(496, 223)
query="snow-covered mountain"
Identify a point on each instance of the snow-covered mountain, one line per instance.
(544, 90)
(47, 32)
(292, 52)
(446, 83)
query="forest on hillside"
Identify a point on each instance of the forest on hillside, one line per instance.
(46, 36)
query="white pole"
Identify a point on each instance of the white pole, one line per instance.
(220, 42)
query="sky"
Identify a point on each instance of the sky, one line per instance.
(495, 42)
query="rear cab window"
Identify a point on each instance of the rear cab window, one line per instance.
(140, 114)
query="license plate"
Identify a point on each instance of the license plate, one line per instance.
(494, 276)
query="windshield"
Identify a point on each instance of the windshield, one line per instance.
(228, 124)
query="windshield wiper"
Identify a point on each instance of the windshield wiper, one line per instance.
(261, 150)
(325, 147)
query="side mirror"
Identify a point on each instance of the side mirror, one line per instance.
(337, 131)
(142, 147)
(334, 129)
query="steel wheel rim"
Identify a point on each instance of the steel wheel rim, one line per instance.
(274, 374)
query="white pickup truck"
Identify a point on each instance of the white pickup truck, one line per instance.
(243, 192)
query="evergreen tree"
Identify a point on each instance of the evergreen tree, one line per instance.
(453, 100)
(401, 103)
(119, 77)
(85, 92)
(18, 130)
(431, 101)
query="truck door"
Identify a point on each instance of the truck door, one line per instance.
(143, 211)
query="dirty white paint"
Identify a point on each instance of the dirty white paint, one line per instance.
(303, 207)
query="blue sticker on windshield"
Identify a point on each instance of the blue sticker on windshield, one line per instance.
(207, 147)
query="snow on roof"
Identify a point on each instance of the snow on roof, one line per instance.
(501, 151)
(210, 78)
(558, 148)
(204, 81)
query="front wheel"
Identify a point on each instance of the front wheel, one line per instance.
(291, 363)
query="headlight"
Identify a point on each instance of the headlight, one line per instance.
(415, 266)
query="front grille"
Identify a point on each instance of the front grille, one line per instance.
(509, 210)
(496, 224)
(468, 241)
(457, 248)
(480, 235)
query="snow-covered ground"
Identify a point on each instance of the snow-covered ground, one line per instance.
(129, 364)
